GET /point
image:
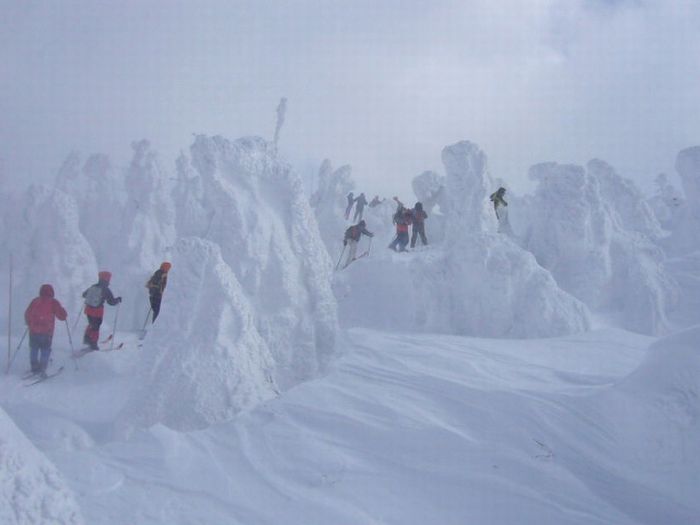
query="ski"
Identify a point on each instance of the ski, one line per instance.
(109, 338)
(44, 378)
(82, 352)
(28, 375)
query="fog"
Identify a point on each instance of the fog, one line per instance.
(383, 86)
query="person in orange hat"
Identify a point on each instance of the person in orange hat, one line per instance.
(95, 298)
(156, 286)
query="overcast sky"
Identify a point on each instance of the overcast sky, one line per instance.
(381, 85)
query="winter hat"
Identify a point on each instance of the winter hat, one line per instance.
(361, 223)
(166, 266)
(46, 290)
(105, 276)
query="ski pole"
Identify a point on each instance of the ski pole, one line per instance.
(341, 256)
(77, 318)
(146, 321)
(369, 248)
(17, 351)
(114, 328)
(70, 341)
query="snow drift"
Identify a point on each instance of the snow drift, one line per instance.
(31, 489)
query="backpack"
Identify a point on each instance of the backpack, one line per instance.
(93, 296)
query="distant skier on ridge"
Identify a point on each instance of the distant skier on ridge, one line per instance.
(352, 238)
(40, 317)
(95, 298)
(360, 203)
(156, 286)
(418, 215)
(351, 202)
(500, 206)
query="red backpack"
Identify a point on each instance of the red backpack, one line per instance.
(40, 316)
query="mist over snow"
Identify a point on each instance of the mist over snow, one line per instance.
(535, 366)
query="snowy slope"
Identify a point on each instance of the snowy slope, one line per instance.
(408, 429)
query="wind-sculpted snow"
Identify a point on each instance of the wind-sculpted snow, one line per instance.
(475, 282)
(254, 207)
(42, 234)
(31, 489)
(205, 359)
(594, 238)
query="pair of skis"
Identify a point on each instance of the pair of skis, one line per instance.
(40, 378)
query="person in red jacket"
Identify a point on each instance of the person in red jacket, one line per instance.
(95, 298)
(40, 317)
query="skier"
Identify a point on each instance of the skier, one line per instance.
(418, 216)
(500, 206)
(376, 201)
(95, 298)
(352, 238)
(351, 201)
(40, 317)
(156, 286)
(360, 203)
(402, 219)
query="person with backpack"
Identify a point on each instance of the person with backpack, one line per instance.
(156, 286)
(402, 218)
(95, 298)
(40, 317)
(352, 238)
(418, 216)
(500, 206)
(351, 201)
(360, 203)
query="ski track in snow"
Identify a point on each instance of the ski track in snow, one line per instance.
(403, 429)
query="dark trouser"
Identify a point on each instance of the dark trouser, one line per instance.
(92, 332)
(418, 229)
(358, 212)
(39, 342)
(401, 241)
(155, 306)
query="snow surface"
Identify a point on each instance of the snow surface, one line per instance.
(31, 489)
(245, 403)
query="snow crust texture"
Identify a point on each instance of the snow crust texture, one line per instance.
(31, 489)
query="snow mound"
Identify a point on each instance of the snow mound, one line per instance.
(475, 283)
(44, 238)
(655, 411)
(31, 489)
(254, 207)
(205, 359)
(591, 229)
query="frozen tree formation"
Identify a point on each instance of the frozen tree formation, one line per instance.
(206, 359)
(476, 283)
(329, 202)
(43, 235)
(254, 207)
(686, 234)
(148, 229)
(31, 489)
(666, 202)
(594, 232)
